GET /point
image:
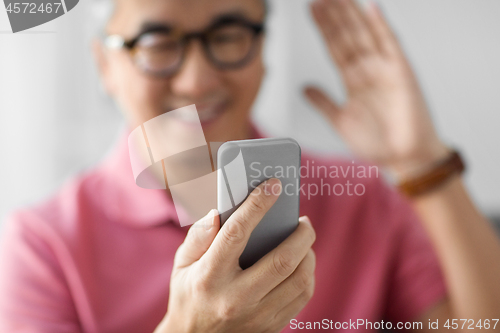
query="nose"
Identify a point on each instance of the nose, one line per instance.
(197, 77)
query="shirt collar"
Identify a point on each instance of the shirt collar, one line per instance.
(125, 202)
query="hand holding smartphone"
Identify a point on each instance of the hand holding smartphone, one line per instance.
(242, 166)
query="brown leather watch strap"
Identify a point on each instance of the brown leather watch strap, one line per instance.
(438, 175)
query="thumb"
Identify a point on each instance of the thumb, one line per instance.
(321, 101)
(198, 239)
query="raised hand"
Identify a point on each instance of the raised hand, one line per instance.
(385, 118)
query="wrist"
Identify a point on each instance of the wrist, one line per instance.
(419, 163)
(168, 325)
(162, 327)
(434, 177)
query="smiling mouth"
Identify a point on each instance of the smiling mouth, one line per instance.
(207, 113)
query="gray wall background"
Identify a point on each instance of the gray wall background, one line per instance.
(55, 122)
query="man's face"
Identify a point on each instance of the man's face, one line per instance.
(223, 97)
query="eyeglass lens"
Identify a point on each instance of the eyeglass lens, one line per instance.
(162, 53)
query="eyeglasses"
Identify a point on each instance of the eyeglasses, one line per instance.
(230, 43)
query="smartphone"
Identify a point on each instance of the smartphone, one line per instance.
(242, 166)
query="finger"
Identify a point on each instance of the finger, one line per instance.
(198, 239)
(234, 234)
(293, 286)
(290, 311)
(384, 36)
(280, 263)
(357, 27)
(345, 42)
(330, 28)
(321, 101)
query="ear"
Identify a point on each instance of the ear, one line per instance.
(102, 62)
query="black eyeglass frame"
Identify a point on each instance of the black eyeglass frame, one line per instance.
(116, 41)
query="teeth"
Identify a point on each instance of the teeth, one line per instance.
(205, 113)
(188, 117)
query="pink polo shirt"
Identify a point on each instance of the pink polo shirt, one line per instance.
(97, 257)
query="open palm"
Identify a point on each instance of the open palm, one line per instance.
(385, 118)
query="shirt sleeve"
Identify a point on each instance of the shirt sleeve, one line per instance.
(34, 297)
(416, 283)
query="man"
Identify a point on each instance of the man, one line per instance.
(99, 257)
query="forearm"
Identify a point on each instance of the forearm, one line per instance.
(468, 249)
